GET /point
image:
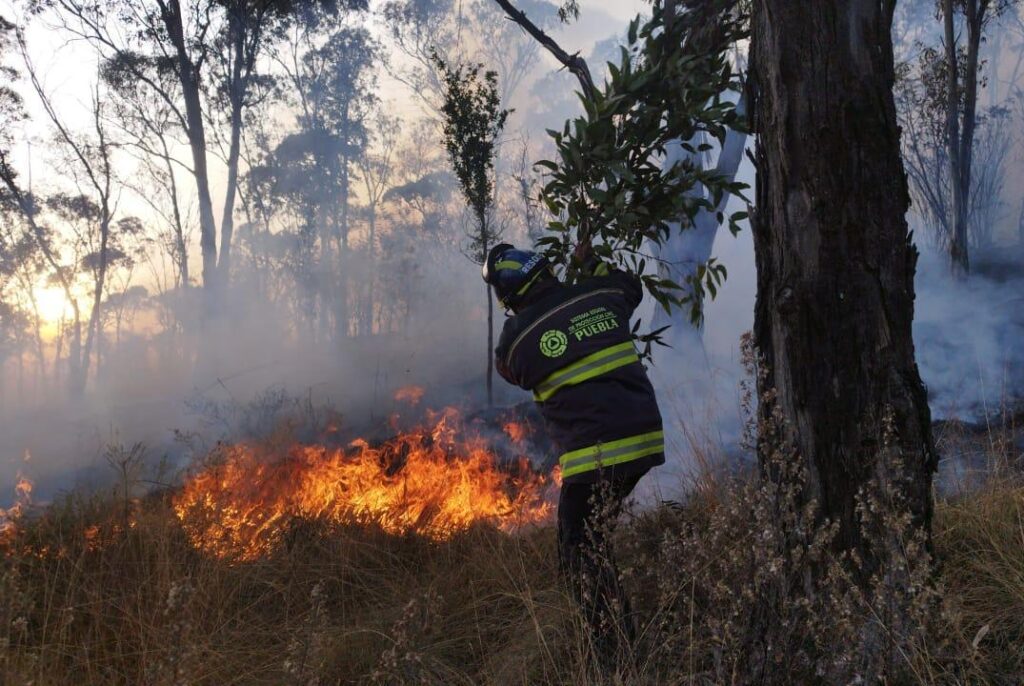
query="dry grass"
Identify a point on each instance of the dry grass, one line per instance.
(109, 591)
(354, 606)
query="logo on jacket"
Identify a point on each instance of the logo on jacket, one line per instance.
(553, 343)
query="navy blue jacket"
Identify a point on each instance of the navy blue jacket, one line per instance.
(571, 346)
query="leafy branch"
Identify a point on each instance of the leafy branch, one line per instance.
(607, 187)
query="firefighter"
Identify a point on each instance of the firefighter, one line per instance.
(572, 347)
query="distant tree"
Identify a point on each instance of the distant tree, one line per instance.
(376, 170)
(962, 72)
(333, 80)
(502, 45)
(91, 164)
(473, 122)
(21, 266)
(166, 54)
(921, 107)
(459, 31)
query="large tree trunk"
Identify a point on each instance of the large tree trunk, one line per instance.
(835, 263)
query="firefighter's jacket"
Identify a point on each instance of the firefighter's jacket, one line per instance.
(572, 347)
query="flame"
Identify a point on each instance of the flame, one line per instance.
(410, 394)
(23, 489)
(516, 431)
(10, 517)
(435, 481)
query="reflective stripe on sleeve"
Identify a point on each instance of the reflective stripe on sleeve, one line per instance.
(612, 453)
(596, 364)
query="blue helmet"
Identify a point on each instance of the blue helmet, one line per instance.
(513, 272)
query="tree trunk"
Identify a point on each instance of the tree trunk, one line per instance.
(958, 239)
(372, 278)
(97, 298)
(975, 23)
(490, 347)
(687, 249)
(341, 292)
(485, 249)
(237, 99)
(76, 383)
(171, 15)
(835, 263)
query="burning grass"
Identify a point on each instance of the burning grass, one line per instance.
(118, 591)
(434, 481)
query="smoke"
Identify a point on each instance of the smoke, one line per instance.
(967, 337)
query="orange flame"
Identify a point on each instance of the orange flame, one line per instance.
(9, 517)
(410, 394)
(516, 431)
(432, 481)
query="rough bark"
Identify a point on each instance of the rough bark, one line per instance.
(835, 263)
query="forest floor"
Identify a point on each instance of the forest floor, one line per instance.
(107, 590)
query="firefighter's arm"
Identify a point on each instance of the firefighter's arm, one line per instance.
(500, 354)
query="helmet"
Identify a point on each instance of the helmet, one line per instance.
(512, 272)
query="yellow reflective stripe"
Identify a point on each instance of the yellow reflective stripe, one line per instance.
(508, 264)
(593, 365)
(612, 453)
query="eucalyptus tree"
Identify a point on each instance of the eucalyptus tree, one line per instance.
(684, 253)
(474, 30)
(332, 79)
(835, 294)
(376, 170)
(473, 122)
(192, 56)
(608, 183)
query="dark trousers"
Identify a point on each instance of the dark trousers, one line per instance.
(586, 518)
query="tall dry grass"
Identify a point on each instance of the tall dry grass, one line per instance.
(108, 590)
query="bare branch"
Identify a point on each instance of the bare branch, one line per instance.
(574, 63)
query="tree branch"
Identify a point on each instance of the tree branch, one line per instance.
(574, 63)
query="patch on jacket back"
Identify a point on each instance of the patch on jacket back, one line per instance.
(592, 322)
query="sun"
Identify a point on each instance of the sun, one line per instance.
(53, 306)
